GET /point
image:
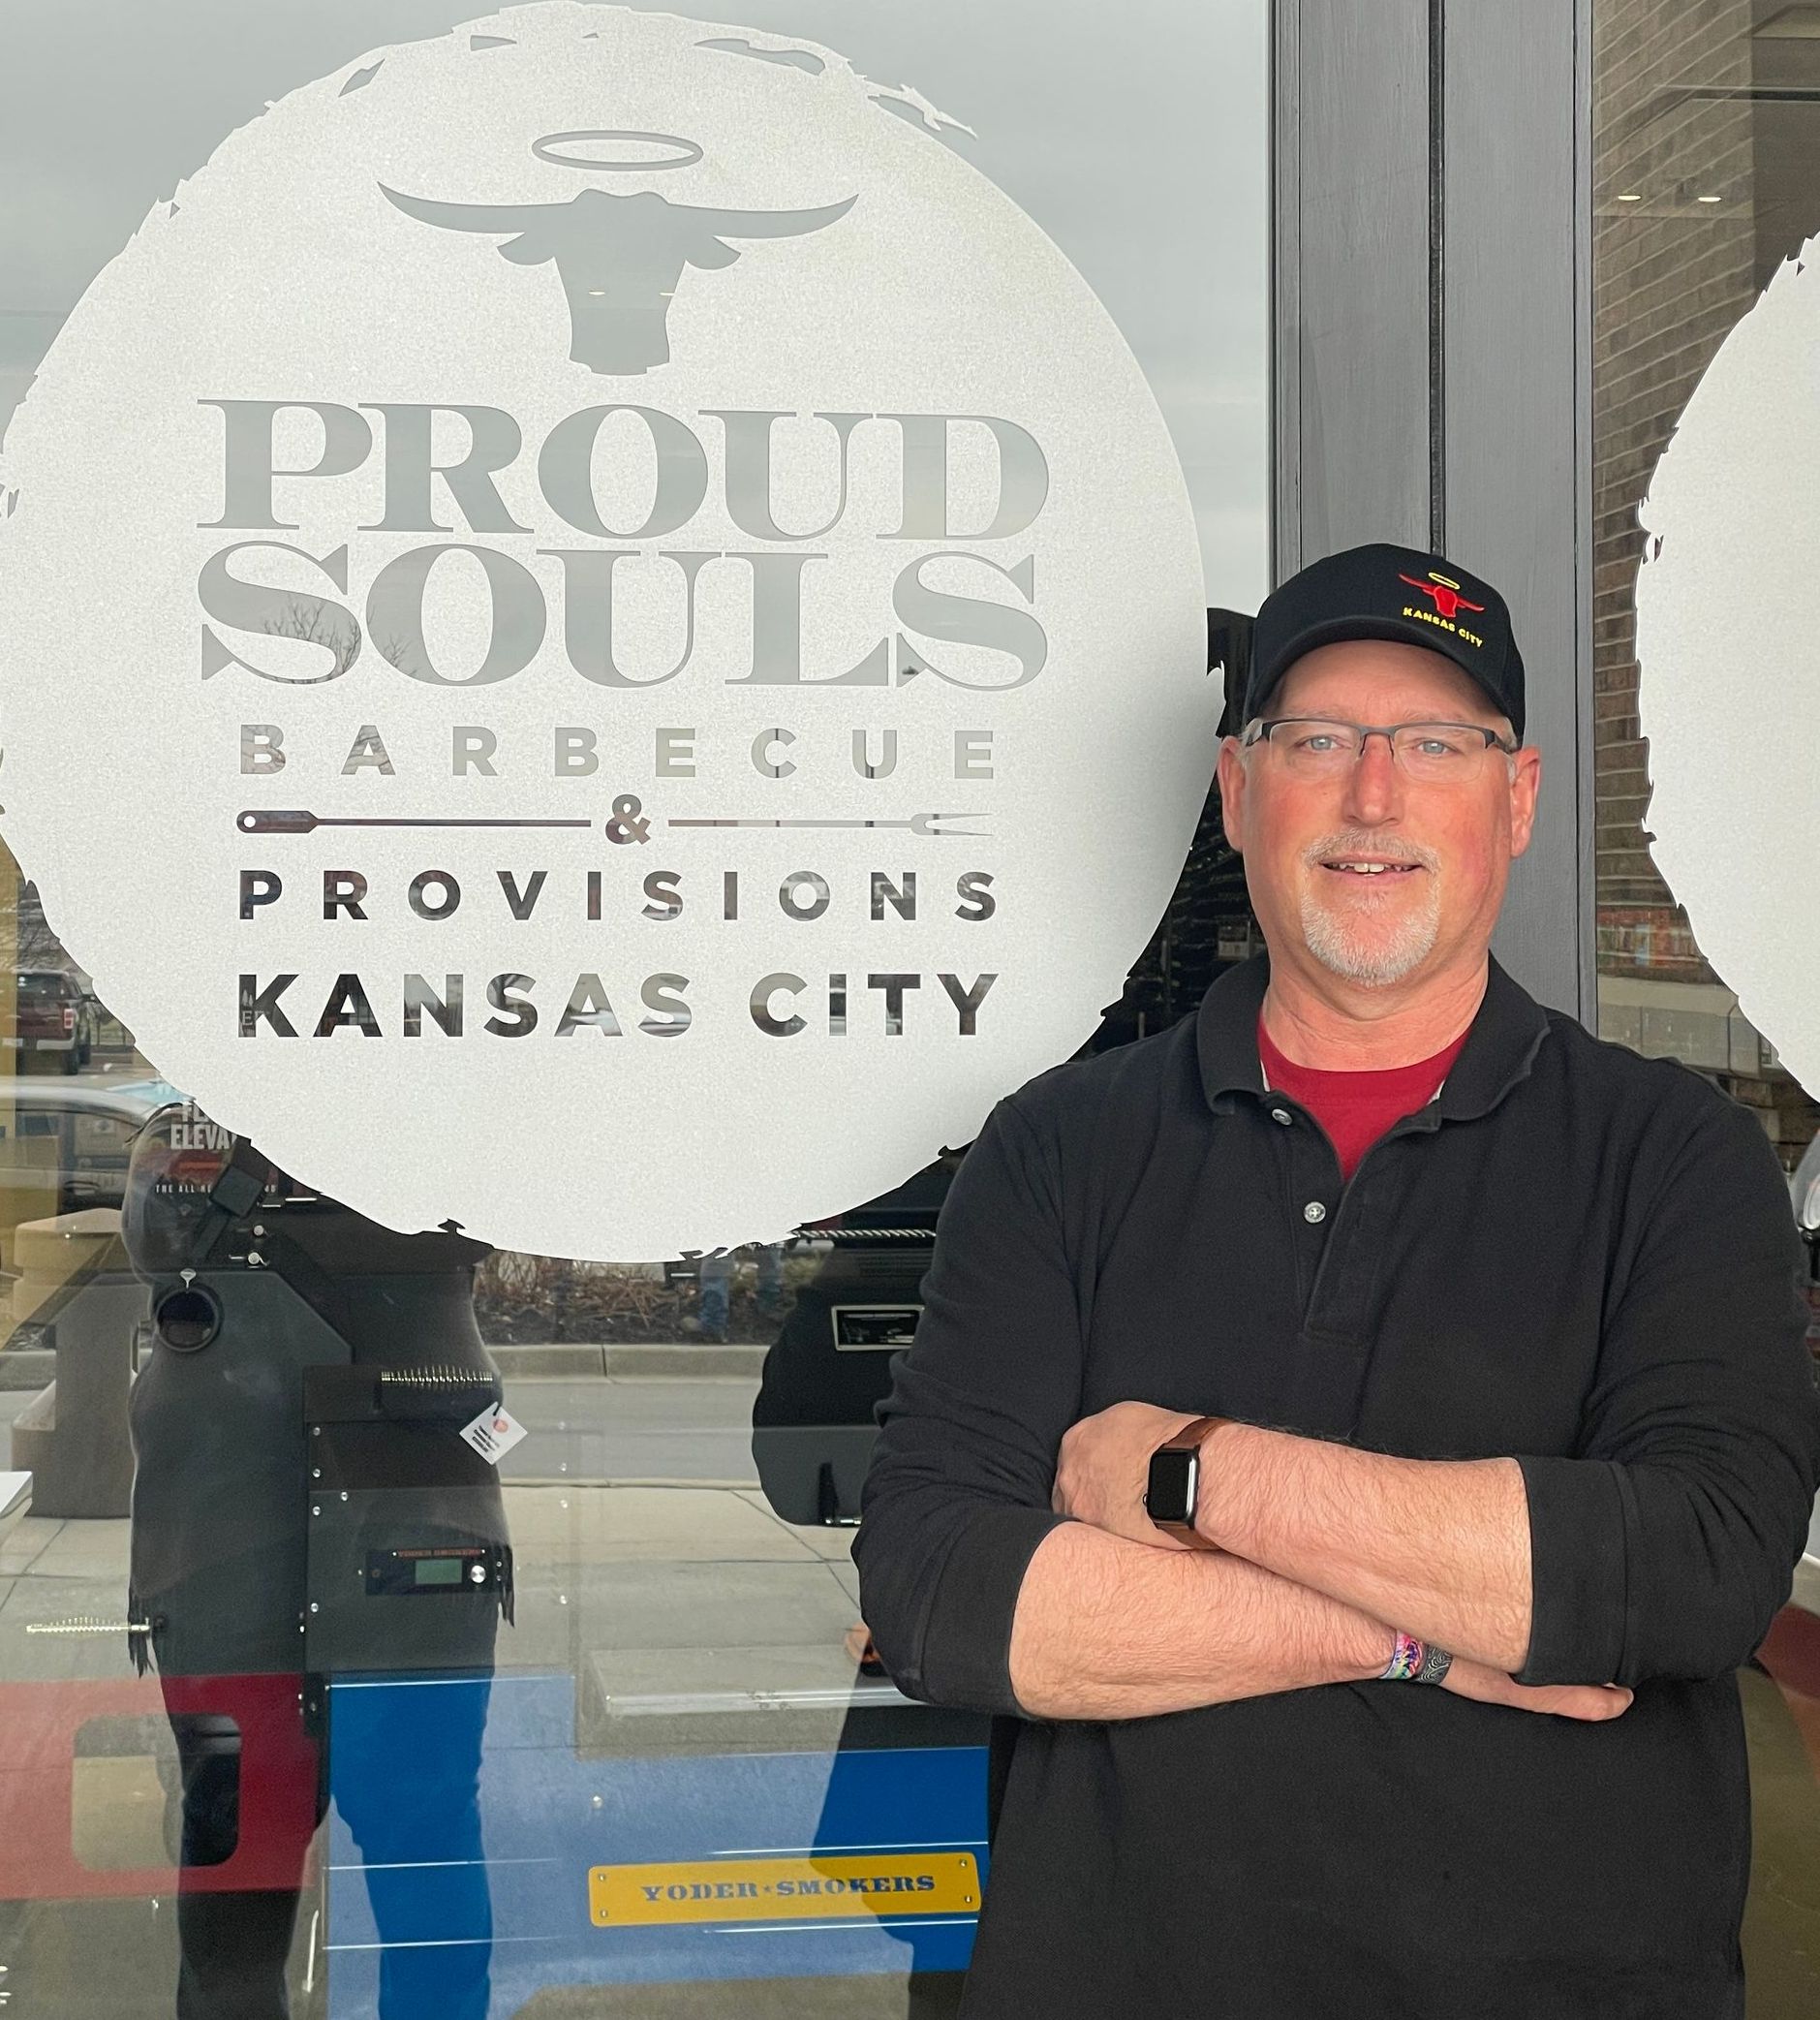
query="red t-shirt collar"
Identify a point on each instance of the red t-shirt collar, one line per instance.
(1356, 1107)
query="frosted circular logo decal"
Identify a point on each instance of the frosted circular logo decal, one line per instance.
(603, 641)
(1731, 666)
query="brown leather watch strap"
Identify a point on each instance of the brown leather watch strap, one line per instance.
(1190, 1435)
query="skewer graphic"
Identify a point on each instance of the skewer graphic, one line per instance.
(917, 823)
(299, 820)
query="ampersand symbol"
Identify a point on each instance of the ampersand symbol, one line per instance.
(626, 826)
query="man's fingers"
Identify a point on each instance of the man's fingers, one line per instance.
(1588, 1702)
(1575, 1701)
(1102, 1471)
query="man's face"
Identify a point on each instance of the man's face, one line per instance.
(1447, 847)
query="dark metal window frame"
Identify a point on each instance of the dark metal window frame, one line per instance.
(1431, 378)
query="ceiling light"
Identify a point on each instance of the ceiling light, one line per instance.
(1708, 200)
(1631, 197)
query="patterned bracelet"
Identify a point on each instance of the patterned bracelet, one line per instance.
(1406, 1660)
(1415, 1661)
(1435, 1663)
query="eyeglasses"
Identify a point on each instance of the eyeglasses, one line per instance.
(1321, 747)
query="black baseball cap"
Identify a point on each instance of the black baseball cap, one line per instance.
(1381, 591)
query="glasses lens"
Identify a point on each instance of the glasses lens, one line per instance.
(1436, 752)
(1311, 747)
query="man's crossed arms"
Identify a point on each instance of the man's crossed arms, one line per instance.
(1311, 1556)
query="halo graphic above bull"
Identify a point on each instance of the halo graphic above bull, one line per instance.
(544, 148)
(620, 259)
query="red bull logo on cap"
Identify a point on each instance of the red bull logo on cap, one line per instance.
(1448, 601)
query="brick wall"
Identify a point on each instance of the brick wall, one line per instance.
(1670, 276)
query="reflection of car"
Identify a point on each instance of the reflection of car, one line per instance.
(65, 1145)
(1804, 1189)
(84, 1131)
(813, 1424)
(55, 1018)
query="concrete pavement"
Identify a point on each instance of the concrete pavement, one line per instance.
(637, 1529)
(692, 1619)
(657, 1420)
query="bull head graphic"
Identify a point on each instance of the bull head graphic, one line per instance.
(619, 258)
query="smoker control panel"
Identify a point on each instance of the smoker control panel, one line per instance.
(434, 1569)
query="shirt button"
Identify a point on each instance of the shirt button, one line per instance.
(1314, 1211)
(1279, 1115)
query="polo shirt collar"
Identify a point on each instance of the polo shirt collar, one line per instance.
(1506, 1031)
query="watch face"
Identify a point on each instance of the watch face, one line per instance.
(1173, 1477)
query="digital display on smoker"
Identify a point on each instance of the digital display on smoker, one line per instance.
(401, 1573)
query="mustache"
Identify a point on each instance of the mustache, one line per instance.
(1336, 847)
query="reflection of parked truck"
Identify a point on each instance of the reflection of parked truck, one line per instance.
(56, 1019)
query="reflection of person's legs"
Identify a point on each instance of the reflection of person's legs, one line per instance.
(234, 1943)
(771, 1278)
(715, 1277)
(408, 1788)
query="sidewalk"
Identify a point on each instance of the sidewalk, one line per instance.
(644, 1593)
(692, 1619)
(32, 1367)
(696, 1621)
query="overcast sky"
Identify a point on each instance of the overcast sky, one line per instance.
(1135, 135)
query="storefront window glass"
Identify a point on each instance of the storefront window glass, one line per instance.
(1707, 181)
(1707, 190)
(477, 1633)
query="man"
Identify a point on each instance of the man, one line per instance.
(1499, 1333)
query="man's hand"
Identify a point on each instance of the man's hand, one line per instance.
(1104, 1469)
(1592, 1701)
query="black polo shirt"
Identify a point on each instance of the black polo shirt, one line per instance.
(1573, 1255)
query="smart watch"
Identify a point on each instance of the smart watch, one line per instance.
(1174, 1489)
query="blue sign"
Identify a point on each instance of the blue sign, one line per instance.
(465, 1828)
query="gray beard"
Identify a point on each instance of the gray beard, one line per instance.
(1377, 961)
